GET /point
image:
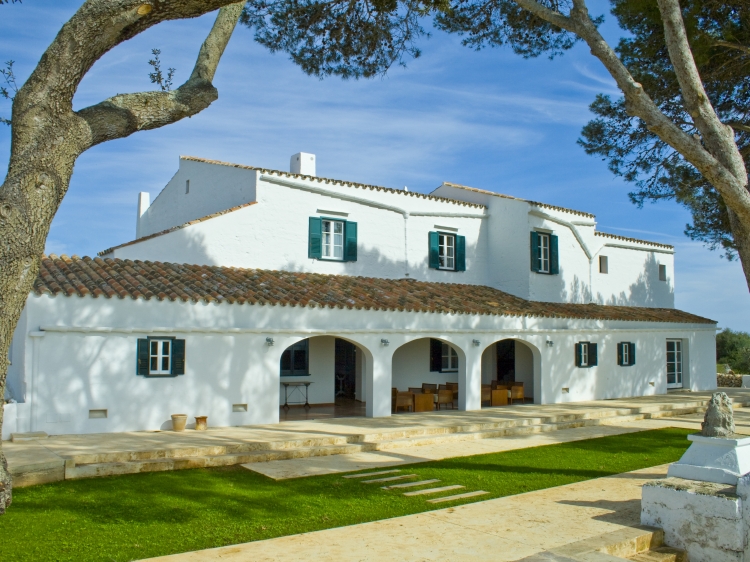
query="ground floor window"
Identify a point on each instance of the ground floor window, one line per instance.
(626, 354)
(443, 358)
(586, 354)
(674, 363)
(449, 359)
(295, 359)
(160, 357)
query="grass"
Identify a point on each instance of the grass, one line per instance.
(152, 514)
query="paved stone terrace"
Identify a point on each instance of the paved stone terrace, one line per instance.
(47, 458)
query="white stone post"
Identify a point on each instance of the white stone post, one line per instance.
(470, 379)
(379, 381)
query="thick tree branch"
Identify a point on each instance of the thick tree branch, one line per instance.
(639, 104)
(124, 114)
(730, 45)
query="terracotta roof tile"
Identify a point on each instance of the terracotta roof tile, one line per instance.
(173, 281)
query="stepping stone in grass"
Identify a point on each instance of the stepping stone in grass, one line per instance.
(410, 484)
(458, 497)
(371, 474)
(402, 477)
(434, 490)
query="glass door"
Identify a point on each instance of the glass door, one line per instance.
(674, 363)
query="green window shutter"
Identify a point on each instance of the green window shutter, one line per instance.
(619, 353)
(350, 241)
(434, 251)
(579, 353)
(554, 261)
(460, 253)
(178, 357)
(142, 357)
(436, 356)
(632, 353)
(315, 243)
(535, 265)
(593, 359)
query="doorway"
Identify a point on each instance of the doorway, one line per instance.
(506, 361)
(345, 369)
(674, 363)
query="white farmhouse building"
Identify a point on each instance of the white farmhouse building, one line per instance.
(244, 282)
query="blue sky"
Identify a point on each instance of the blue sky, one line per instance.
(487, 119)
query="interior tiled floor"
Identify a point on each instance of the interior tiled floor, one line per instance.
(344, 408)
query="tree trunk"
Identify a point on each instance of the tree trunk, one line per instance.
(48, 136)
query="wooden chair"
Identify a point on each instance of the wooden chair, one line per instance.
(424, 402)
(487, 394)
(499, 397)
(516, 393)
(404, 400)
(428, 387)
(415, 390)
(445, 396)
(454, 387)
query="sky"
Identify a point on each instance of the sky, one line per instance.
(487, 119)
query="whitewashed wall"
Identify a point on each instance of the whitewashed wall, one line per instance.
(212, 189)
(72, 369)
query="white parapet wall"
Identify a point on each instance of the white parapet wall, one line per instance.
(710, 521)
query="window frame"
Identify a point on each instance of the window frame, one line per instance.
(296, 347)
(583, 350)
(679, 361)
(160, 356)
(441, 237)
(450, 354)
(604, 265)
(662, 272)
(544, 246)
(323, 234)
(626, 354)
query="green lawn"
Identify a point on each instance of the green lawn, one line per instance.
(143, 515)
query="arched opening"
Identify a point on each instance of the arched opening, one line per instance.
(510, 367)
(322, 377)
(426, 366)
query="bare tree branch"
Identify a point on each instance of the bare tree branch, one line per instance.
(124, 114)
(730, 45)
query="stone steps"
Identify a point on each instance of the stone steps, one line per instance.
(661, 554)
(179, 458)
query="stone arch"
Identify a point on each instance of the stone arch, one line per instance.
(527, 365)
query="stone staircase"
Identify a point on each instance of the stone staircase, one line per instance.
(87, 465)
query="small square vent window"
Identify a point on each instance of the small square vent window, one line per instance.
(97, 414)
(239, 407)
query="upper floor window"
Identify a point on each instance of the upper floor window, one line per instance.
(662, 272)
(603, 264)
(544, 255)
(447, 251)
(586, 354)
(161, 357)
(332, 239)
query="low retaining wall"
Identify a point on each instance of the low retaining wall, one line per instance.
(728, 380)
(711, 522)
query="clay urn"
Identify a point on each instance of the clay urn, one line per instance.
(178, 422)
(201, 423)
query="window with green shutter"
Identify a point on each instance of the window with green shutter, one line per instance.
(160, 357)
(332, 239)
(315, 239)
(350, 243)
(447, 252)
(626, 354)
(544, 253)
(586, 354)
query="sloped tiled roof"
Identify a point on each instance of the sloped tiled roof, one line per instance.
(535, 203)
(178, 227)
(635, 240)
(74, 276)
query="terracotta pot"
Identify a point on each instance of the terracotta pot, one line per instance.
(201, 423)
(178, 422)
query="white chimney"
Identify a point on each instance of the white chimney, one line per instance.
(302, 163)
(144, 200)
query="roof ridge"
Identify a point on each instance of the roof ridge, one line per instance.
(504, 196)
(629, 239)
(110, 277)
(334, 181)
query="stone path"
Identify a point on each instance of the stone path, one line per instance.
(423, 492)
(503, 529)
